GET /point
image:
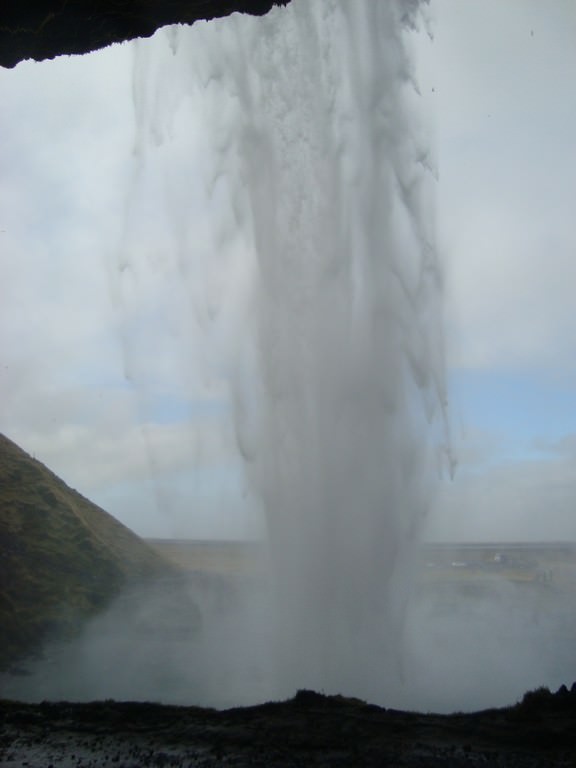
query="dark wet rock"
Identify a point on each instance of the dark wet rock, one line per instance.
(311, 730)
(43, 29)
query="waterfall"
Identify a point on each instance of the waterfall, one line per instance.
(320, 250)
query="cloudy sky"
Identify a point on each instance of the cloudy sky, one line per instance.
(92, 376)
(506, 118)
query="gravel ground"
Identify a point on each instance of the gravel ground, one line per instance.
(309, 730)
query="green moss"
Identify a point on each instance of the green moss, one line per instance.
(62, 558)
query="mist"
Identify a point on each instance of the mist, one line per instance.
(207, 640)
(264, 359)
(319, 177)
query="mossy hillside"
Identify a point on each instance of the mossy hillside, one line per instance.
(62, 558)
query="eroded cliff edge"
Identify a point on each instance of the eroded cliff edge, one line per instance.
(43, 29)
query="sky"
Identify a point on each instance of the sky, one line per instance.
(93, 381)
(505, 120)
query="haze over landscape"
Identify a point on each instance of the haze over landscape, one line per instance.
(223, 286)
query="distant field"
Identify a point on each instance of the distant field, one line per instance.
(210, 556)
(519, 562)
(542, 563)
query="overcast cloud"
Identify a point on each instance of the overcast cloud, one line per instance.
(93, 380)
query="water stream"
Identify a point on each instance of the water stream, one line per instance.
(322, 252)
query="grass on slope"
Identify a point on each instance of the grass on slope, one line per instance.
(62, 558)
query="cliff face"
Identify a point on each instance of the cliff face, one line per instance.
(43, 29)
(62, 558)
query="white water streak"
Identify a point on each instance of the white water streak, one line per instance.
(318, 184)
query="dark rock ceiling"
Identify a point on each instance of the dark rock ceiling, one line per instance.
(43, 29)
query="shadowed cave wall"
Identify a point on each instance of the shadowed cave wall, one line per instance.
(43, 29)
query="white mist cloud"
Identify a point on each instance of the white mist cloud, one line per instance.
(502, 75)
(106, 453)
(520, 501)
(93, 379)
(506, 117)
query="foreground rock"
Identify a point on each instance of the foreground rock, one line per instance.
(43, 29)
(310, 730)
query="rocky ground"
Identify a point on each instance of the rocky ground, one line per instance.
(309, 730)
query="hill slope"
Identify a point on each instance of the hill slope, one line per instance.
(62, 558)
